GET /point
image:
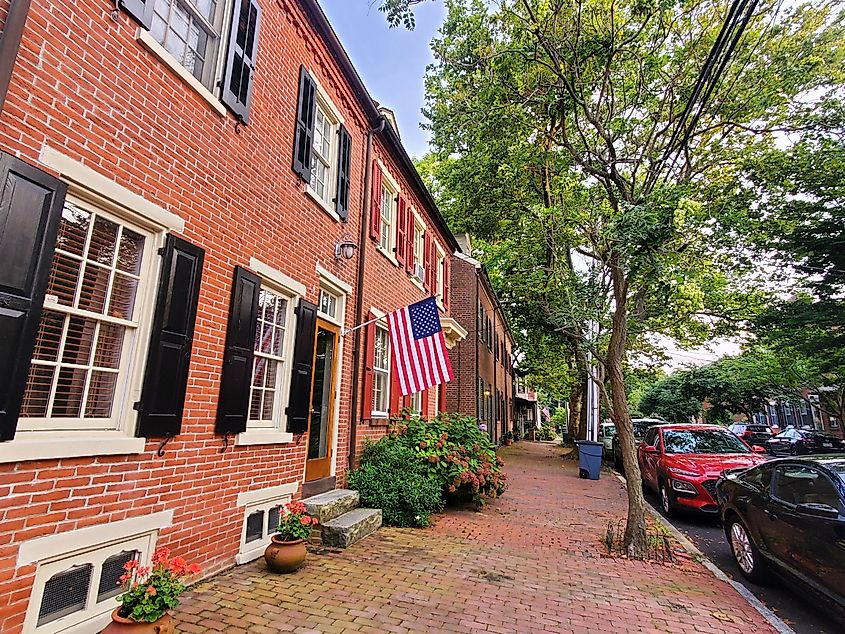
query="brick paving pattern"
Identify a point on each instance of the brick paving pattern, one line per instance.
(531, 561)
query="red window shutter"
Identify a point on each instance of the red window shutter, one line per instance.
(375, 208)
(446, 283)
(401, 229)
(395, 390)
(369, 359)
(410, 233)
(427, 260)
(441, 398)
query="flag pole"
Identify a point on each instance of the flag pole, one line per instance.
(345, 331)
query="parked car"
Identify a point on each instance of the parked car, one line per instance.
(641, 426)
(606, 432)
(788, 516)
(796, 442)
(752, 433)
(682, 463)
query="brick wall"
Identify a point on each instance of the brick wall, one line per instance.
(84, 86)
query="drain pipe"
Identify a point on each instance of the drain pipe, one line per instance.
(359, 291)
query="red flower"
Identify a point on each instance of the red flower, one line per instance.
(304, 521)
(315, 521)
(130, 565)
(151, 591)
(194, 569)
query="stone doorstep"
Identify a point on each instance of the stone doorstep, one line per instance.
(351, 527)
(331, 504)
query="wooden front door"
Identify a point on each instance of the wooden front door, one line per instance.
(321, 425)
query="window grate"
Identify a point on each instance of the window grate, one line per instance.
(254, 526)
(111, 573)
(65, 593)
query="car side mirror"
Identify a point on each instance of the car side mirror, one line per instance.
(757, 449)
(818, 510)
(649, 449)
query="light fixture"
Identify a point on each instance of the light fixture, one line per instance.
(345, 248)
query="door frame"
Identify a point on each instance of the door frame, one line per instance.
(325, 468)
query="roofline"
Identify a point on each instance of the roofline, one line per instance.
(324, 28)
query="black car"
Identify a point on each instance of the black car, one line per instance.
(752, 433)
(787, 516)
(641, 426)
(796, 442)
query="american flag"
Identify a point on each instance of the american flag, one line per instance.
(418, 347)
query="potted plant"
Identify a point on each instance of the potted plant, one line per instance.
(507, 439)
(150, 593)
(286, 551)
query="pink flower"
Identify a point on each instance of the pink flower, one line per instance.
(151, 591)
(304, 521)
(315, 521)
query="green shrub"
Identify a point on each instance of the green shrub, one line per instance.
(392, 478)
(546, 432)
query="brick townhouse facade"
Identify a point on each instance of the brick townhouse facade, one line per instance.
(483, 360)
(196, 198)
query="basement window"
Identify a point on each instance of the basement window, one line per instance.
(260, 521)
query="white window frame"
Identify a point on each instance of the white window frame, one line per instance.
(439, 279)
(276, 282)
(387, 239)
(88, 188)
(419, 250)
(93, 544)
(260, 500)
(333, 115)
(381, 327)
(416, 403)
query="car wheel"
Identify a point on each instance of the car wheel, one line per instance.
(666, 501)
(744, 551)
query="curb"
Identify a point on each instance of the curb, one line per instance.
(773, 619)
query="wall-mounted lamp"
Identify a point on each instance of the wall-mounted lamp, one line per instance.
(345, 248)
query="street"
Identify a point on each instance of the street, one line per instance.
(706, 533)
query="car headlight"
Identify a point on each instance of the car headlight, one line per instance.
(680, 485)
(682, 472)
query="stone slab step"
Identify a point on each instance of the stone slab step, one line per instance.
(331, 504)
(351, 527)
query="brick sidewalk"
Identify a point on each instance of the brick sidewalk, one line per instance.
(529, 562)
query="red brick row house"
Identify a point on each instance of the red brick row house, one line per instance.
(197, 200)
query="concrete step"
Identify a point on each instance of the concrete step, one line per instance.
(331, 504)
(351, 527)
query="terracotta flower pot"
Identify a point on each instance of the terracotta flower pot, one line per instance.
(282, 556)
(121, 625)
(508, 442)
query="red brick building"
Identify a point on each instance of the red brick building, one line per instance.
(483, 361)
(196, 199)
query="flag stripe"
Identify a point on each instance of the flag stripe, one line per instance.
(411, 354)
(391, 326)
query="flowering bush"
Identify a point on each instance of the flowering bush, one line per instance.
(151, 591)
(295, 523)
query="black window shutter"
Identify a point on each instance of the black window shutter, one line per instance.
(233, 406)
(343, 159)
(306, 108)
(31, 204)
(141, 10)
(299, 403)
(240, 59)
(166, 375)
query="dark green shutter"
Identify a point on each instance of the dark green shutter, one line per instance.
(240, 60)
(299, 403)
(166, 377)
(306, 109)
(343, 160)
(233, 406)
(31, 204)
(141, 10)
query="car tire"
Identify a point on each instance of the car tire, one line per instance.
(667, 503)
(745, 553)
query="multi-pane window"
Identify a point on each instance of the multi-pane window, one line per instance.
(269, 364)
(321, 157)
(416, 402)
(419, 250)
(381, 372)
(440, 271)
(386, 239)
(190, 31)
(328, 303)
(88, 323)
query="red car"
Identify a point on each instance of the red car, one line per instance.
(682, 463)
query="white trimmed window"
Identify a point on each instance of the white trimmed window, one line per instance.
(419, 249)
(388, 214)
(262, 511)
(88, 337)
(190, 31)
(416, 403)
(440, 270)
(270, 369)
(330, 304)
(381, 373)
(323, 156)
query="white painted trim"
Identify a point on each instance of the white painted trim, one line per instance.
(333, 280)
(387, 254)
(148, 42)
(378, 314)
(258, 437)
(257, 496)
(65, 544)
(467, 258)
(392, 182)
(83, 176)
(251, 555)
(324, 97)
(276, 276)
(40, 445)
(309, 191)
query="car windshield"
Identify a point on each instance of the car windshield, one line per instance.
(817, 435)
(640, 429)
(609, 430)
(839, 469)
(702, 441)
(759, 428)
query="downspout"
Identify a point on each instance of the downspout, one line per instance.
(479, 402)
(359, 292)
(495, 393)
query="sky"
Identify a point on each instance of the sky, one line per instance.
(390, 61)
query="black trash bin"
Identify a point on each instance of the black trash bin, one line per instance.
(589, 459)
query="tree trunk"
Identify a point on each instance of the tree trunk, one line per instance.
(575, 400)
(635, 529)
